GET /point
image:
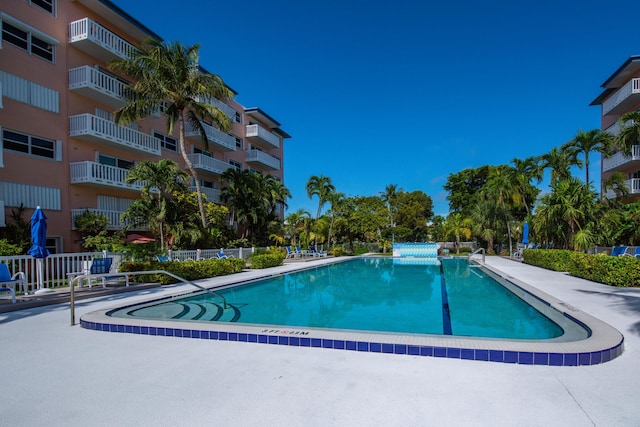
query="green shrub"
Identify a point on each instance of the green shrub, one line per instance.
(465, 250)
(189, 270)
(610, 270)
(337, 251)
(266, 260)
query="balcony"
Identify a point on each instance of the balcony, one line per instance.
(213, 194)
(619, 161)
(217, 139)
(259, 135)
(633, 185)
(93, 173)
(96, 85)
(94, 39)
(623, 99)
(230, 112)
(262, 158)
(208, 164)
(115, 223)
(95, 129)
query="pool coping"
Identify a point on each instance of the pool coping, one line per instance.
(604, 343)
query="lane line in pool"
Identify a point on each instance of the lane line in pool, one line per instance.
(446, 315)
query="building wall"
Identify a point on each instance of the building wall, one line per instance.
(616, 92)
(35, 180)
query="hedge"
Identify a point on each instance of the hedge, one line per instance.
(621, 271)
(189, 270)
(266, 260)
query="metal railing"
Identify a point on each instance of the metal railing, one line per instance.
(131, 273)
(87, 29)
(257, 131)
(477, 251)
(264, 158)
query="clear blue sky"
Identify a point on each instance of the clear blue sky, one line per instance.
(406, 92)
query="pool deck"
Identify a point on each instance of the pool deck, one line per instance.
(57, 374)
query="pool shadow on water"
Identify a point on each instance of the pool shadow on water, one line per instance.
(622, 300)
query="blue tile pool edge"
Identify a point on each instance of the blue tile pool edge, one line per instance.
(487, 355)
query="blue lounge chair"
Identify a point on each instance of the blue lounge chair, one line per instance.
(8, 282)
(290, 253)
(163, 258)
(101, 266)
(222, 255)
(619, 250)
(317, 253)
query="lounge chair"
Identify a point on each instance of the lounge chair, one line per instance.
(317, 253)
(619, 250)
(163, 258)
(101, 266)
(302, 253)
(222, 255)
(290, 253)
(8, 282)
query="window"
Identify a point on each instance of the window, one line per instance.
(238, 118)
(237, 166)
(29, 144)
(47, 5)
(166, 142)
(27, 41)
(114, 161)
(208, 184)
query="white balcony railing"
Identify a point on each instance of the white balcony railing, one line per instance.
(230, 112)
(263, 158)
(97, 85)
(213, 194)
(115, 223)
(98, 174)
(218, 139)
(257, 132)
(88, 34)
(619, 159)
(93, 128)
(632, 87)
(209, 164)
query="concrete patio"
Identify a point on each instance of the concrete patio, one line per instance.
(57, 374)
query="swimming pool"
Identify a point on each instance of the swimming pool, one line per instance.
(596, 343)
(372, 294)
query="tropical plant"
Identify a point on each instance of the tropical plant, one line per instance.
(587, 142)
(629, 132)
(457, 226)
(168, 78)
(161, 182)
(560, 162)
(322, 187)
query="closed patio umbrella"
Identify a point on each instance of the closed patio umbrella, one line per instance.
(525, 233)
(39, 241)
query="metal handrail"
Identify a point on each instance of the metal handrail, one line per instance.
(132, 273)
(476, 252)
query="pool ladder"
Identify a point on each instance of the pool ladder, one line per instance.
(477, 251)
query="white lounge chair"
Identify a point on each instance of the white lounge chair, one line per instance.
(8, 282)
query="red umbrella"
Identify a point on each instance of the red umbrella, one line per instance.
(138, 239)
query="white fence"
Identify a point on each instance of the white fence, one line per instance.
(56, 267)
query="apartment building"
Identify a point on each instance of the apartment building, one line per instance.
(59, 146)
(620, 95)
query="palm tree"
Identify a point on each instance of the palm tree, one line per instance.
(390, 197)
(629, 131)
(164, 176)
(335, 199)
(617, 183)
(586, 142)
(525, 171)
(322, 187)
(167, 78)
(560, 162)
(458, 225)
(501, 188)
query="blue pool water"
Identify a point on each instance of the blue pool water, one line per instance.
(371, 294)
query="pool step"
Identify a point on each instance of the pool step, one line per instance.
(207, 311)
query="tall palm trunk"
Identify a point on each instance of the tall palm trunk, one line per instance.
(192, 171)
